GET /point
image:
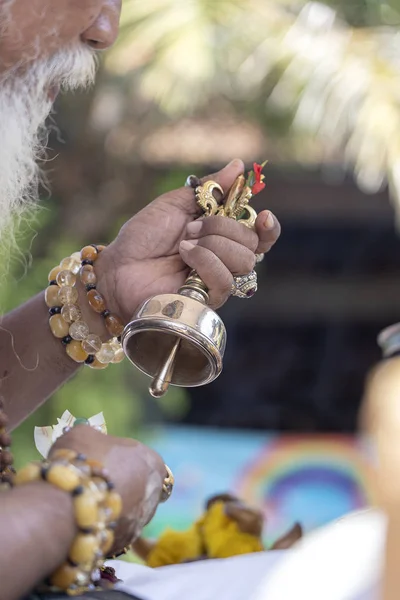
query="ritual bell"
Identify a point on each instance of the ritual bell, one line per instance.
(177, 339)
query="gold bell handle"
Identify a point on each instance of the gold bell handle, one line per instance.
(195, 288)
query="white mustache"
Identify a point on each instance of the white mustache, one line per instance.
(72, 68)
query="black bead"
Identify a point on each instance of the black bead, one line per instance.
(78, 490)
(119, 338)
(106, 313)
(53, 282)
(87, 530)
(87, 261)
(71, 562)
(43, 473)
(81, 457)
(6, 479)
(66, 340)
(90, 359)
(110, 485)
(55, 310)
(194, 181)
(90, 286)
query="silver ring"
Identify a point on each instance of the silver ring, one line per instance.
(244, 286)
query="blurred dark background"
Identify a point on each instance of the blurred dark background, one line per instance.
(298, 355)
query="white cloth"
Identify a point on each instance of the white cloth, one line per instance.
(228, 579)
(342, 561)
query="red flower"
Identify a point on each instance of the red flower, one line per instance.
(258, 184)
(257, 171)
(257, 187)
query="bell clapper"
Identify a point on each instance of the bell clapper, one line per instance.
(193, 288)
(160, 384)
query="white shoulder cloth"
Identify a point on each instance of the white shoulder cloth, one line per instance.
(342, 561)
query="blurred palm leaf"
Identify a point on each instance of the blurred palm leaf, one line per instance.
(340, 82)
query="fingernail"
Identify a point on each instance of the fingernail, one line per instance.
(194, 227)
(186, 246)
(235, 162)
(269, 222)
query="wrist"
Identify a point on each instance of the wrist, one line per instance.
(80, 317)
(59, 509)
(106, 282)
(62, 503)
(95, 321)
(37, 530)
(60, 359)
(96, 508)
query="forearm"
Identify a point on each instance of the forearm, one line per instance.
(33, 363)
(37, 528)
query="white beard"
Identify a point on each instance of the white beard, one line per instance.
(24, 107)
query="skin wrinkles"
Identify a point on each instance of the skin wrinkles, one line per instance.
(41, 27)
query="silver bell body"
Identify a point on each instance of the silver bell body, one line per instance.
(182, 328)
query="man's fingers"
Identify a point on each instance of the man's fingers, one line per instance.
(268, 230)
(211, 269)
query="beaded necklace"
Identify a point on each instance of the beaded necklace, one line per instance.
(7, 471)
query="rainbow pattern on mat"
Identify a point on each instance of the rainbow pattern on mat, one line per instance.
(309, 479)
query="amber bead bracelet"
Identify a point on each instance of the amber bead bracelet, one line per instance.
(89, 256)
(97, 507)
(66, 316)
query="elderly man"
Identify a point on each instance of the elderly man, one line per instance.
(46, 46)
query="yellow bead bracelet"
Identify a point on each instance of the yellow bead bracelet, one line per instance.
(97, 507)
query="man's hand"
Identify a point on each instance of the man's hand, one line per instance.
(154, 250)
(136, 471)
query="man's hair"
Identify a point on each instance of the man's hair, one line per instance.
(225, 497)
(25, 103)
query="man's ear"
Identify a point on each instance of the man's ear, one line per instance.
(289, 539)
